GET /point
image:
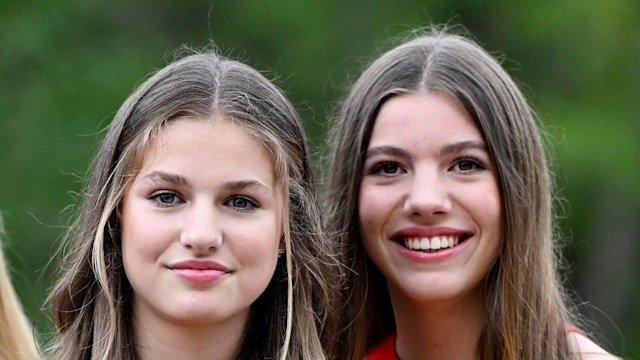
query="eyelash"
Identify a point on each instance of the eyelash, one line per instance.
(252, 205)
(477, 164)
(378, 168)
(156, 196)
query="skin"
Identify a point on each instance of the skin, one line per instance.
(204, 197)
(587, 349)
(427, 173)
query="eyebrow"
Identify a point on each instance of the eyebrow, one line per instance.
(166, 177)
(448, 149)
(180, 180)
(386, 150)
(244, 184)
(463, 145)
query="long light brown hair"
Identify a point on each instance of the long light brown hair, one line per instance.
(90, 301)
(525, 301)
(16, 334)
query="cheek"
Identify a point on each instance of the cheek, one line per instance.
(374, 206)
(490, 212)
(366, 210)
(257, 247)
(134, 245)
(494, 208)
(257, 254)
(143, 238)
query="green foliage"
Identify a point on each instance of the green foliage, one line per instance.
(66, 67)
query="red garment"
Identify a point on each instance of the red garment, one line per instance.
(386, 350)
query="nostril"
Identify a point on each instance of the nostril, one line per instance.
(427, 203)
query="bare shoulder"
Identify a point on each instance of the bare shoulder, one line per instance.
(586, 349)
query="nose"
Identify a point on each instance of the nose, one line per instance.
(427, 195)
(201, 231)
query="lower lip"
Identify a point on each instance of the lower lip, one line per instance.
(431, 256)
(199, 276)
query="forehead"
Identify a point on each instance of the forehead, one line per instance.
(206, 144)
(425, 118)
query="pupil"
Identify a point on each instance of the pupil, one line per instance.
(166, 198)
(389, 168)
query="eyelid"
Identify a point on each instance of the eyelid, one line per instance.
(376, 167)
(478, 163)
(154, 196)
(253, 203)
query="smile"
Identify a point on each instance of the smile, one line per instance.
(431, 243)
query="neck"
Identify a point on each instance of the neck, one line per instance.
(160, 339)
(448, 329)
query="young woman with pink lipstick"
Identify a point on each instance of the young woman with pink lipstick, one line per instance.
(439, 191)
(199, 236)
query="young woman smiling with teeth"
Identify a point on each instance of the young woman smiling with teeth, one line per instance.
(426, 174)
(435, 141)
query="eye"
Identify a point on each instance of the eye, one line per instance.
(467, 165)
(166, 198)
(386, 168)
(242, 203)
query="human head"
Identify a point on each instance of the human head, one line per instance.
(202, 86)
(460, 69)
(16, 335)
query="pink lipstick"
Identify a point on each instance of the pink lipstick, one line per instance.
(199, 271)
(430, 244)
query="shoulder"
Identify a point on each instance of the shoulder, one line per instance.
(586, 349)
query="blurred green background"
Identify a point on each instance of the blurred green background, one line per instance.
(66, 66)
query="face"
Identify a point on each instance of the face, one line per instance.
(201, 224)
(429, 205)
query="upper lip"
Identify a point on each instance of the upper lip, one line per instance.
(199, 265)
(429, 231)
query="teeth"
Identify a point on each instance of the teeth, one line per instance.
(434, 243)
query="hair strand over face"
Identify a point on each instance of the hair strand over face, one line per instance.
(90, 300)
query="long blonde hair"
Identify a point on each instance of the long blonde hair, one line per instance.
(16, 334)
(525, 299)
(90, 303)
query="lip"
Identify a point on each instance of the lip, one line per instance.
(199, 265)
(199, 271)
(430, 231)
